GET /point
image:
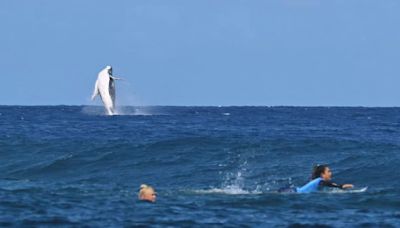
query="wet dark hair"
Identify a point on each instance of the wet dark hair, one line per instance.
(317, 171)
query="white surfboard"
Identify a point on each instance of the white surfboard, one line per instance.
(354, 190)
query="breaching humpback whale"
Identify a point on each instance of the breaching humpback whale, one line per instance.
(105, 87)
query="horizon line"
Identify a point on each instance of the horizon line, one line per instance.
(216, 106)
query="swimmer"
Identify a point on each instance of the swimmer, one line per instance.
(147, 193)
(320, 179)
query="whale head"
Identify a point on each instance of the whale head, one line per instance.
(109, 70)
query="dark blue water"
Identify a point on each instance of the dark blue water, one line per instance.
(210, 166)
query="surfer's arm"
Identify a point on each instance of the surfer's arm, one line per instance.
(334, 185)
(345, 186)
(329, 184)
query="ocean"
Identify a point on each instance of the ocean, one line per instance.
(211, 166)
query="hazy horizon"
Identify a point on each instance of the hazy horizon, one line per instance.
(213, 106)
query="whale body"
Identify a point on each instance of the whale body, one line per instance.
(105, 87)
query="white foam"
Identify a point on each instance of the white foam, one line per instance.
(120, 111)
(229, 190)
(124, 111)
(138, 111)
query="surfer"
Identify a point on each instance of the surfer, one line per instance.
(147, 193)
(320, 178)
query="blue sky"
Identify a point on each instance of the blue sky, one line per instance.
(208, 52)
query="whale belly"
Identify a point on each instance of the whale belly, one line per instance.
(106, 96)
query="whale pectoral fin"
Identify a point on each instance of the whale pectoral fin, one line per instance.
(95, 91)
(116, 78)
(94, 96)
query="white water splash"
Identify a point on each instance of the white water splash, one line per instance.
(135, 111)
(230, 190)
(234, 184)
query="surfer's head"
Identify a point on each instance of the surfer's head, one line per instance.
(109, 70)
(322, 171)
(147, 193)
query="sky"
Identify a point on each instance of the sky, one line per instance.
(202, 52)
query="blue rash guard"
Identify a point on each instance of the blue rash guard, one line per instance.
(311, 186)
(316, 184)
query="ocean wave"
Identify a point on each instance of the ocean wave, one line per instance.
(207, 168)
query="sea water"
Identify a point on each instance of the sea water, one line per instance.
(211, 166)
